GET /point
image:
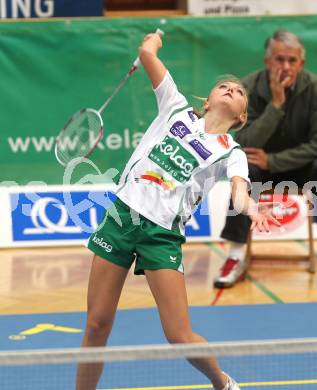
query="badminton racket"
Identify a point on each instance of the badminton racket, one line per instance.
(83, 131)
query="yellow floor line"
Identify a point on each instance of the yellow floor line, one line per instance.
(246, 384)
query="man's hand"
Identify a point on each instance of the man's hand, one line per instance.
(257, 157)
(260, 215)
(277, 86)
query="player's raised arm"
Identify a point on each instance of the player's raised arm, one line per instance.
(148, 56)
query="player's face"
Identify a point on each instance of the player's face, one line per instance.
(230, 95)
(286, 60)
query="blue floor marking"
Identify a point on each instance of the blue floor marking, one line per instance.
(142, 326)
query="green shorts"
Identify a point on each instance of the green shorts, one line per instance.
(137, 239)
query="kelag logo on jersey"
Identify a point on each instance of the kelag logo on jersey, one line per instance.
(57, 215)
(174, 159)
(199, 224)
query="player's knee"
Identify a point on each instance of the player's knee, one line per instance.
(98, 328)
(180, 337)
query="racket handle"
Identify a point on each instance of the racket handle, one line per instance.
(137, 61)
(159, 32)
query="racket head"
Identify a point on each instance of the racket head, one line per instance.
(79, 136)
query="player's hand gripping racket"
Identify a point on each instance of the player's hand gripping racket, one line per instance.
(84, 130)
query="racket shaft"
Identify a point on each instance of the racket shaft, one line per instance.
(133, 68)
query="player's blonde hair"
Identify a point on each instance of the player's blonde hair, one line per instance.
(224, 79)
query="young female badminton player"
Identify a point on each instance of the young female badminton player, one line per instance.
(178, 161)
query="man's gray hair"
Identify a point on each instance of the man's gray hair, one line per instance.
(289, 39)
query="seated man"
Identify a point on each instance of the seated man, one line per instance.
(280, 138)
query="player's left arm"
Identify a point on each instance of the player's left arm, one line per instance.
(259, 213)
(240, 196)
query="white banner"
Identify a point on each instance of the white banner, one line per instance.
(250, 7)
(67, 215)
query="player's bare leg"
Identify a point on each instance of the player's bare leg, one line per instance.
(105, 285)
(169, 291)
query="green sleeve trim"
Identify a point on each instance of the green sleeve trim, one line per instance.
(179, 110)
(227, 154)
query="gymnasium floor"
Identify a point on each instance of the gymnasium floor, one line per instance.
(45, 280)
(43, 303)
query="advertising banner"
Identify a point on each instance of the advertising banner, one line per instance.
(47, 216)
(290, 211)
(54, 68)
(49, 8)
(67, 215)
(250, 7)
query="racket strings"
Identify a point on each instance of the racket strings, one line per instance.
(79, 137)
(81, 150)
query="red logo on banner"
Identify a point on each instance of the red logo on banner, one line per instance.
(288, 212)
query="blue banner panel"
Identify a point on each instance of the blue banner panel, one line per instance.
(49, 8)
(57, 215)
(199, 225)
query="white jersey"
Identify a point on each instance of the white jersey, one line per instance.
(177, 163)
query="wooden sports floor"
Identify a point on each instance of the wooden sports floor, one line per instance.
(45, 280)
